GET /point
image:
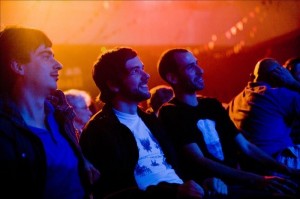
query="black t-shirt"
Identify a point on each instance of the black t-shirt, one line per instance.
(180, 121)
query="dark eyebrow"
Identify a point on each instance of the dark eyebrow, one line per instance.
(49, 52)
(134, 67)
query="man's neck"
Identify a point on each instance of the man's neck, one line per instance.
(126, 107)
(31, 107)
(190, 99)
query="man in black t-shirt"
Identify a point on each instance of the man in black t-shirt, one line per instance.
(202, 132)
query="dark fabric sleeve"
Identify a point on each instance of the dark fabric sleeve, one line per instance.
(176, 125)
(162, 190)
(112, 152)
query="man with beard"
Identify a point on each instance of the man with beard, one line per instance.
(203, 134)
(126, 144)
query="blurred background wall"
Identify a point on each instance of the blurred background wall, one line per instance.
(228, 37)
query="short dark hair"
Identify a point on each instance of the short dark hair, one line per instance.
(291, 63)
(16, 43)
(109, 66)
(167, 62)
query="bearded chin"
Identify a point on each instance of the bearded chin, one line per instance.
(138, 96)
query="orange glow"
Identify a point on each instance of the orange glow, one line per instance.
(147, 22)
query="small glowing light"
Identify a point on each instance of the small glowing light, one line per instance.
(240, 26)
(257, 9)
(211, 45)
(245, 20)
(106, 5)
(237, 49)
(214, 37)
(228, 35)
(233, 30)
(251, 14)
(252, 35)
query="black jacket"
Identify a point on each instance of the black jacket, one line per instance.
(111, 147)
(22, 155)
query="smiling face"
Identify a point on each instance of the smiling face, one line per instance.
(189, 73)
(134, 85)
(41, 72)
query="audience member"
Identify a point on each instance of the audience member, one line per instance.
(264, 112)
(39, 154)
(159, 95)
(204, 135)
(126, 144)
(80, 101)
(293, 65)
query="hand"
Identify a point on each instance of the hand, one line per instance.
(279, 185)
(190, 189)
(215, 186)
(58, 99)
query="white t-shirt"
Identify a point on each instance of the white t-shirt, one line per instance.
(152, 167)
(211, 137)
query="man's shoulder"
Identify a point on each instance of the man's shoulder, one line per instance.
(208, 100)
(101, 118)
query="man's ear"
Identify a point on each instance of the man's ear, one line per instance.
(112, 86)
(171, 78)
(17, 67)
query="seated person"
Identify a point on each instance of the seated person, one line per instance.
(293, 66)
(126, 144)
(265, 110)
(204, 136)
(39, 154)
(80, 101)
(159, 95)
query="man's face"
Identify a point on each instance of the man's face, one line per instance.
(135, 82)
(41, 73)
(190, 74)
(82, 111)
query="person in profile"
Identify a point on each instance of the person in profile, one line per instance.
(127, 145)
(207, 141)
(81, 101)
(265, 110)
(39, 154)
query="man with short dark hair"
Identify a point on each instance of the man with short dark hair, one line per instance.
(39, 154)
(265, 110)
(127, 145)
(204, 136)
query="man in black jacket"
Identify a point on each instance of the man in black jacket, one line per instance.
(39, 154)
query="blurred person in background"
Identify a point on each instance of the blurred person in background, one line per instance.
(293, 66)
(81, 101)
(39, 154)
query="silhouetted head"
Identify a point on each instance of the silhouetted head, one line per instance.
(293, 65)
(263, 71)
